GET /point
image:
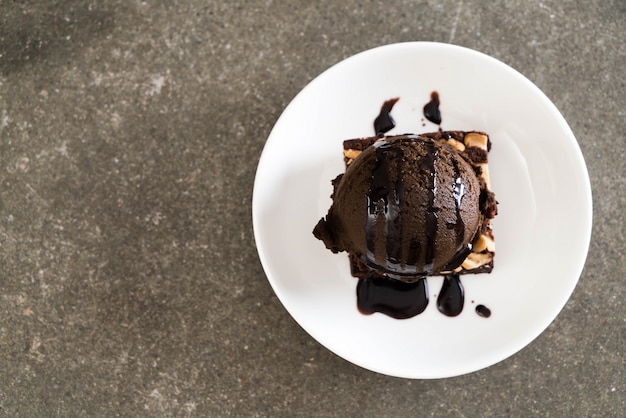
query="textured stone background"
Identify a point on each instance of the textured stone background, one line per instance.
(129, 137)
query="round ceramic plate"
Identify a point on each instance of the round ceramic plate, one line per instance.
(538, 174)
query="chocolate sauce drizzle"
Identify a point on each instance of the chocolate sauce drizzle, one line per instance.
(384, 122)
(431, 109)
(428, 164)
(384, 203)
(458, 190)
(396, 298)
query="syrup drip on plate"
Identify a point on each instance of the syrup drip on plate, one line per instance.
(431, 109)
(451, 297)
(483, 311)
(384, 122)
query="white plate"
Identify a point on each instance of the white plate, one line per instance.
(538, 175)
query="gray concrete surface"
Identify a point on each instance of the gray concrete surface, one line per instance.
(130, 132)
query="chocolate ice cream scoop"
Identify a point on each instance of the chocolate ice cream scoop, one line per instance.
(407, 207)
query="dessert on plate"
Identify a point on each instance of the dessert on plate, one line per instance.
(411, 206)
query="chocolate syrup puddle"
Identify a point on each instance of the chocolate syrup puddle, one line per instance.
(384, 122)
(451, 297)
(483, 311)
(431, 109)
(397, 299)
